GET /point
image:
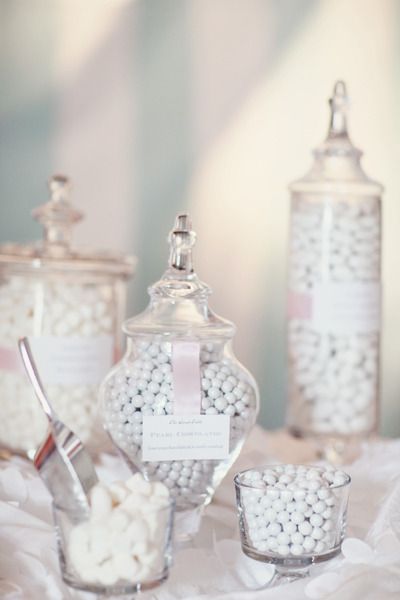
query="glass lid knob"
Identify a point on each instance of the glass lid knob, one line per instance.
(57, 217)
(338, 104)
(181, 240)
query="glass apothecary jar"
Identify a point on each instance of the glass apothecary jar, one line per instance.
(70, 304)
(334, 291)
(179, 405)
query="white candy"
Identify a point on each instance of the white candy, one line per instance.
(225, 390)
(126, 566)
(101, 502)
(292, 523)
(123, 540)
(334, 378)
(118, 491)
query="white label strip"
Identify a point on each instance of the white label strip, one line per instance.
(175, 437)
(71, 361)
(186, 377)
(346, 308)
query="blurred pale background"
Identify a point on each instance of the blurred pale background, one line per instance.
(210, 106)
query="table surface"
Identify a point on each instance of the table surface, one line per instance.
(213, 566)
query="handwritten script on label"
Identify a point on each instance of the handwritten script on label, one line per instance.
(202, 437)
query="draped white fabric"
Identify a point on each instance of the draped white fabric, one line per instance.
(214, 568)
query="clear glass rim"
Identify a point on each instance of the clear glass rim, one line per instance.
(84, 511)
(241, 484)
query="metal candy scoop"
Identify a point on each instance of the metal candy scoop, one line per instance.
(62, 460)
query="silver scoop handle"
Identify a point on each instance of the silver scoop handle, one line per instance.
(33, 375)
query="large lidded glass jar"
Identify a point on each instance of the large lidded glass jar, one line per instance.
(70, 304)
(179, 405)
(334, 291)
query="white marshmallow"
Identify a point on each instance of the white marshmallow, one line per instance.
(100, 502)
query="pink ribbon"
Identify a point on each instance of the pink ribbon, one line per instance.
(186, 378)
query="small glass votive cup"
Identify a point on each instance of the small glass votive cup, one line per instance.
(291, 516)
(114, 564)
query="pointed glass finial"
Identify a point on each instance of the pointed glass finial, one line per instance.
(339, 104)
(181, 240)
(57, 217)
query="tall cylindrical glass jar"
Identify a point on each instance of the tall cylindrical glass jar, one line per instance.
(70, 303)
(179, 405)
(334, 291)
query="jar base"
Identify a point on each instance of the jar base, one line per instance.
(336, 449)
(290, 564)
(122, 591)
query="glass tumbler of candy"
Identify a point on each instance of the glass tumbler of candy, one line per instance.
(291, 516)
(116, 554)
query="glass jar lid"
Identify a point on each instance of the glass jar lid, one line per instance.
(337, 166)
(179, 300)
(55, 251)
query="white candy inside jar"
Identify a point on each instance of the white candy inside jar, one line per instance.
(144, 386)
(334, 373)
(292, 510)
(126, 537)
(32, 306)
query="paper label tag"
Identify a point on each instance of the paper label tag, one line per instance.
(346, 308)
(180, 437)
(71, 361)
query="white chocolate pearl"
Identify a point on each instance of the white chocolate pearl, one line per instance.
(270, 514)
(220, 404)
(284, 550)
(299, 494)
(327, 526)
(290, 528)
(272, 543)
(283, 539)
(308, 544)
(323, 494)
(317, 533)
(305, 528)
(296, 549)
(283, 517)
(278, 505)
(319, 507)
(297, 517)
(274, 529)
(316, 520)
(297, 538)
(302, 506)
(312, 499)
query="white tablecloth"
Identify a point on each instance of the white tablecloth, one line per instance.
(214, 568)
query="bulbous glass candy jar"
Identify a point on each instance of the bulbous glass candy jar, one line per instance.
(179, 363)
(70, 303)
(334, 291)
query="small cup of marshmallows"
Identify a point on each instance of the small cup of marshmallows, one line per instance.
(122, 544)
